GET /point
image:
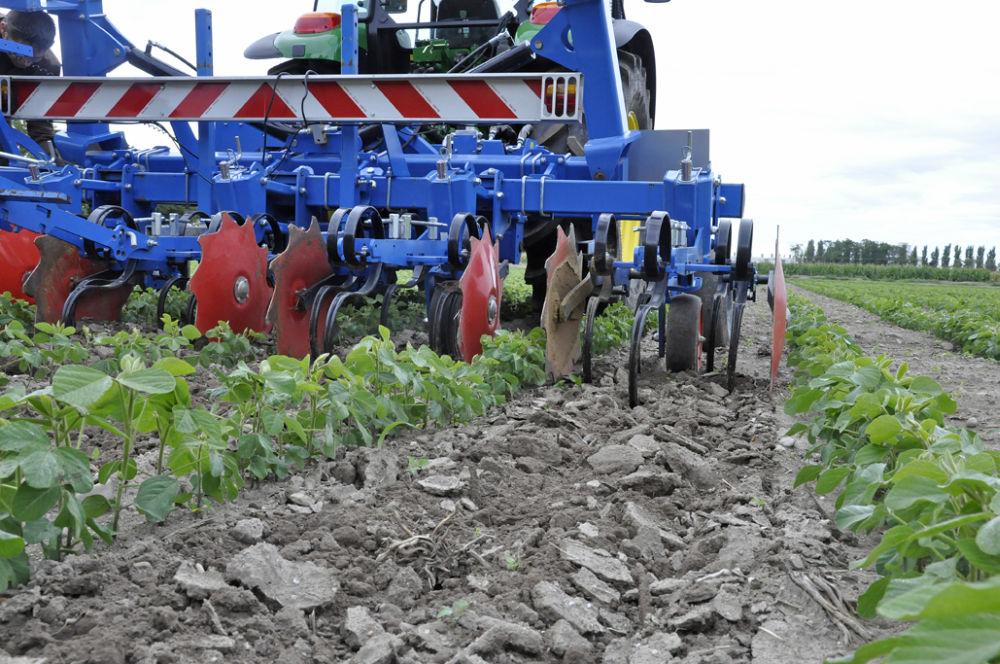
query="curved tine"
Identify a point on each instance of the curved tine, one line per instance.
(661, 331)
(96, 282)
(367, 288)
(317, 306)
(178, 282)
(390, 291)
(711, 341)
(588, 338)
(635, 355)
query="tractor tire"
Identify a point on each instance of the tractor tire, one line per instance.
(635, 92)
(709, 285)
(684, 333)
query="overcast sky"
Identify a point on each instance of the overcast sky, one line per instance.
(875, 119)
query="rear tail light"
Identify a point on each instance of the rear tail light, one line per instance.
(316, 22)
(543, 12)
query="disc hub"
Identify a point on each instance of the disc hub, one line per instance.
(492, 310)
(241, 290)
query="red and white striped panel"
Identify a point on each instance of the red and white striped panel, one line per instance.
(462, 99)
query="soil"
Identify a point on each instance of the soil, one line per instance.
(563, 527)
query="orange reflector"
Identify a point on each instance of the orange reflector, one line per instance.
(317, 22)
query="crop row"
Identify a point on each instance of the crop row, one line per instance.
(968, 316)
(68, 460)
(932, 491)
(885, 272)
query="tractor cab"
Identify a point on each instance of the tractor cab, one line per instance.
(395, 37)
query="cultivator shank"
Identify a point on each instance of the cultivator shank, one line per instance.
(306, 193)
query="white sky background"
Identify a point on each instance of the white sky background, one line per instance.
(875, 119)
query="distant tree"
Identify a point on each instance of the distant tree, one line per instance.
(923, 256)
(820, 251)
(946, 256)
(913, 256)
(991, 260)
(969, 260)
(980, 255)
(796, 253)
(810, 255)
(956, 257)
(935, 257)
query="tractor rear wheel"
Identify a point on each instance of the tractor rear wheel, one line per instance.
(684, 333)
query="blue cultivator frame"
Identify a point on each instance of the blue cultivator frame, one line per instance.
(314, 190)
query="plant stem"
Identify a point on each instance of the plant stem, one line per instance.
(127, 401)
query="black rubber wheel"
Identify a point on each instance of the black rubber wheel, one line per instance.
(744, 249)
(723, 242)
(684, 333)
(707, 293)
(635, 88)
(446, 304)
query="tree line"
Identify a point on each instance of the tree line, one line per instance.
(870, 252)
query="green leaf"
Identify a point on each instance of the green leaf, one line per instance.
(155, 497)
(30, 503)
(912, 490)
(883, 428)
(807, 474)
(10, 545)
(75, 467)
(869, 599)
(852, 515)
(965, 640)
(988, 537)
(831, 479)
(891, 539)
(174, 366)
(905, 598)
(112, 467)
(148, 381)
(18, 436)
(964, 599)
(41, 469)
(977, 557)
(96, 506)
(80, 386)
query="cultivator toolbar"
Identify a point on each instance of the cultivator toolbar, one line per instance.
(304, 193)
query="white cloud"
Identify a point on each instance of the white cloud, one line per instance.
(858, 118)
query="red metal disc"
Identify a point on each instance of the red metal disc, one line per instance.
(302, 264)
(779, 315)
(230, 283)
(482, 289)
(563, 273)
(18, 257)
(60, 269)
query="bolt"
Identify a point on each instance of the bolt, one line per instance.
(477, 181)
(499, 194)
(539, 44)
(263, 180)
(302, 190)
(151, 243)
(241, 290)
(491, 310)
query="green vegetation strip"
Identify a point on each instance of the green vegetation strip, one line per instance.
(885, 272)
(103, 394)
(967, 315)
(929, 489)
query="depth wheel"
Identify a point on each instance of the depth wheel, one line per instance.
(593, 304)
(684, 333)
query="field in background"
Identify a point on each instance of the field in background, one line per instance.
(966, 314)
(885, 272)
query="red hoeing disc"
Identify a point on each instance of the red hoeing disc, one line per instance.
(302, 264)
(60, 269)
(230, 283)
(779, 315)
(18, 257)
(482, 289)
